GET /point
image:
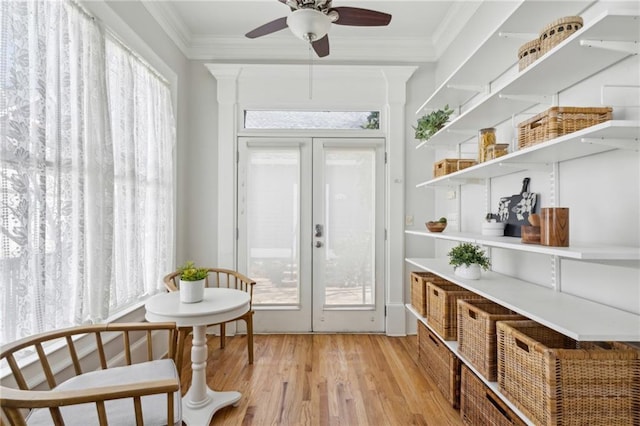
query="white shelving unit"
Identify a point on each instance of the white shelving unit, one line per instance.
(487, 89)
(572, 316)
(592, 140)
(514, 243)
(540, 80)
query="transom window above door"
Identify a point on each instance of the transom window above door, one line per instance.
(334, 120)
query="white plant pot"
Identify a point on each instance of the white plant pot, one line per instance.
(471, 272)
(191, 291)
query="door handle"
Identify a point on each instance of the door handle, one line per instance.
(318, 231)
(318, 244)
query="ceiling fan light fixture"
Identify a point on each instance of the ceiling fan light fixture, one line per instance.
(309, 24)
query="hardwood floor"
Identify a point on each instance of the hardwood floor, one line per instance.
(324, 379)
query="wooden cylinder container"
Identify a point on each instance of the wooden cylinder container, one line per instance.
(554, 226)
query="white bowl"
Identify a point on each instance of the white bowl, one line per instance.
(493, 229)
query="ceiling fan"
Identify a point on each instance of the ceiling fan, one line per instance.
(310, 20)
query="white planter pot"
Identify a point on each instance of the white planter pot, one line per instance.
(191, 291)
(471, 272)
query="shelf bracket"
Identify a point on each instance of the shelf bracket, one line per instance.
(630, 47)
(468, 87)
(527, 166)
(538, 99)
(463, 132)
(619, 143)
(519, 36)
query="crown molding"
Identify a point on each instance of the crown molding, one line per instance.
(166, 16)
(405, 50)
(453, 23)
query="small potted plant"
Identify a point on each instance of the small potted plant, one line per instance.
(467, 259)
(430, 124)
(192, 281)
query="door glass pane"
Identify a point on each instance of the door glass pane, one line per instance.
(350, 225)
(273, 210)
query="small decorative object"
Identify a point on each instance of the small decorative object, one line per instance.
(438, 226)
(491, 227)
(531, 233)
(515, 210)
(554, 226)
(192, 281)
(467, 260)
(429, 124)
(486, 138)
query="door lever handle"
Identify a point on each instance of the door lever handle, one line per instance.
(318, 231)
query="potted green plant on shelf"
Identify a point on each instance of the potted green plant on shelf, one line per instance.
(192, 282)
(467, 260)
(430, 124)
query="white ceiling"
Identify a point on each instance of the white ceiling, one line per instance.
(214, 30)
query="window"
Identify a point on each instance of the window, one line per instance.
(86, 188)
(341, 120)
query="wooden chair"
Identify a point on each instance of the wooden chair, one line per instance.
(85, 390)
(219, 278)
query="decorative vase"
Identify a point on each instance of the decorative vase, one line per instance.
(469, 272)
(191, 291)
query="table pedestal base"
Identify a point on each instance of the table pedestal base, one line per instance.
(201, 414)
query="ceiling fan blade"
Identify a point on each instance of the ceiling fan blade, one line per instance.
(268, 28)
(321, 46)
(360, 17)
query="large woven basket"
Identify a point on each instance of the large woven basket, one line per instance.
(555, 380)
(477, 341)
(419, 282)
(440, 364)
(442, 307)
(554, 33)
(559, 121)
(480, 406)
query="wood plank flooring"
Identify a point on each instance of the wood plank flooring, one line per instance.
(324, 379)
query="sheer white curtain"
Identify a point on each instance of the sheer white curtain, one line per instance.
(79, 194)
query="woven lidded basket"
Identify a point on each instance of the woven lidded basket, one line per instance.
(559, 121)
(555, 380)
(558, 30)
(477, 341)
(528, 53)
(442, 307)
(480, 406)
(440, 364)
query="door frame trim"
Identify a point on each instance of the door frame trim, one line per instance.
(393, 125)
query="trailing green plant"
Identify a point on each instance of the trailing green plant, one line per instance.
(189, 272)
(468, 254)
(373, 121)
(429, 124)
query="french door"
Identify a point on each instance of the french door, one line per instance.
(311, 232)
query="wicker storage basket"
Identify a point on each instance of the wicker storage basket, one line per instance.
(440, 364)
(477, 341)
(528, 53)
(419, 282)
(559, 121)
(480, 406)
(555, 380)
(450, 165)
(558, 30)
(442, 303)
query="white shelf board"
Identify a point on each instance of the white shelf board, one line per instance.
(453, 347)
(515, 243)
(547, 76)
(488, 61)
(572, 316)
(567, 147)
